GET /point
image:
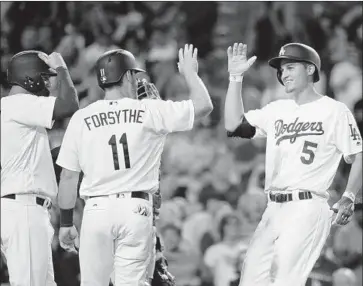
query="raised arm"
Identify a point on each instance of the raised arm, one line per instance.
(237, 66)
(66, 95)
(188, 66)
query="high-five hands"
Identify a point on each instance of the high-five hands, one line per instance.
(188, 61)
(237, 59)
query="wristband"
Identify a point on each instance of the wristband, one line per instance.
(235, 78)
(349, 195)
(66, 217)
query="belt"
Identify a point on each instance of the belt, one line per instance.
(282, 198)
(140, 195)
(39, 201)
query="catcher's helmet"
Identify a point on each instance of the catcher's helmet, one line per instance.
(112, 65)
(299, 53)
(26, 70)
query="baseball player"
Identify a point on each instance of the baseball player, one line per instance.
(41, 92)
(307, 136)
(117, 142)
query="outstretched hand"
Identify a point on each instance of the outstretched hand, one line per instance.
(188, 62)
(237, 59)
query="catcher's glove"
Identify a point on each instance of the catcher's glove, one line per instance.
(162, 276)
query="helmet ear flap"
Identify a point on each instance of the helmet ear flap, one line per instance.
(34, 84)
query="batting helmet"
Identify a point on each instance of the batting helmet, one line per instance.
(298, 53)
(26, 69)
(112, 65)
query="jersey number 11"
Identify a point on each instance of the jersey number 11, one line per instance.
(113, 143)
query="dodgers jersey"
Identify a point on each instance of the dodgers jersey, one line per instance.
(305, 143)
(118, 143)
(26, 161)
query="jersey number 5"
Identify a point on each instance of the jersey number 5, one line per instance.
(125, 147)
(307, 150)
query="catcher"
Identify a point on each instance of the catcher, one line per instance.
(158, 274)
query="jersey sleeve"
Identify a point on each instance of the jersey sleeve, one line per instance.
(68, 154)
(348, 139)
(31, 110)
(260, 119)
(168, 116)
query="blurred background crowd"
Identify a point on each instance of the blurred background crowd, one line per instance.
(212, 186)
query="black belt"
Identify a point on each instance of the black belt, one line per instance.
(40, 201)
(140, 195)
(282, 198)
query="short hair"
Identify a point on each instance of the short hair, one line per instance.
(172, 227)
(224, 221)
(210, 193)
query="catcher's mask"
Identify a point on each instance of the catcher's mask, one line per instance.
(146, 90)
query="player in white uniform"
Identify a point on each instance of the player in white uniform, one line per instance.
(117, 143)
(28, 184)
(307, 136)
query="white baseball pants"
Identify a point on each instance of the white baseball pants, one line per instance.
(26, 238)
(287, 243)
(115, 236)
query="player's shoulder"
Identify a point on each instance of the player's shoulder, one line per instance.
(18, 100)
(160, 103)
(334, 105)
(18, 97)
(279, 104)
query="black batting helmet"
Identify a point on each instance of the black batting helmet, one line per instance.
(112, 65)
(298, 53)
(26, 69)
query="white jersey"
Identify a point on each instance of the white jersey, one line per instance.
(26, 161)
(305, 143)
(118, 143)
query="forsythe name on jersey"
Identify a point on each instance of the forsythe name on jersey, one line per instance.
(114, 117)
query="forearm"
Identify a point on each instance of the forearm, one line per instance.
(67, 194)
(151, 266)
(233, 108)
(67, 99)
(199, 95)
(355, 176)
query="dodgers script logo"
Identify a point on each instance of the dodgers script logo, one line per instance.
(293, 130)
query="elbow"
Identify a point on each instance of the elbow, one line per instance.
(231, 123)
(208, 108)
(204, 109)
(231, 126)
